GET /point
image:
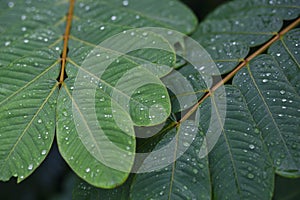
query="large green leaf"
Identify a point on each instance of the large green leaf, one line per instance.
(31, 41)
(271, 90)
(28, 93)
(229, 31)
(28, 86)
(238, 167)
(184, 176)
(239, 163)
(83, 190)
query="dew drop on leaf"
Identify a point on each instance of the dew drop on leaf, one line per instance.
(30, 167)
(7, 43)
(11, 4)
(44, 152)
(125, 3)
(113, 18)
(282, 92)
(250, 176)
(195, 171)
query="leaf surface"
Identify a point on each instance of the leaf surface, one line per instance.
(28, 86)
(229, 31)
(185, 174)
(31, 41)
(273, 101)
(239, 164)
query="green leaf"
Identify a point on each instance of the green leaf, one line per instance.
(31, 41)
(83, 190)
(239, 164)
(286, 53)
(28, 86)
(275, 105)
(184, 176)
(28, 93)
(116, 90)
(229, 31)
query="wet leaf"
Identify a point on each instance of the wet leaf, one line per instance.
(229, 31)
(272, 94)
(239, 163)
(33, 105)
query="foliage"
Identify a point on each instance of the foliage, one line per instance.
(255, 45)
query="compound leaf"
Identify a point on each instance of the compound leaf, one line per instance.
(229, 31)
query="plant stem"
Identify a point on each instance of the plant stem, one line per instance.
(66, 39)
(240, 66)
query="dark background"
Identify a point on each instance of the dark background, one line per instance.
(53, 180)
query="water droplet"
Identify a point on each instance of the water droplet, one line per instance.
(102, 28)
(161, 193)
(65, 113)
(44, 152)
(265, 80)
(125, 3)
(170, 32)
(40, 121)
(87, 170)
(23, 29)
(251, 176)
(23, 17)
(137, 17)
(278, 54)
(113, 18)
(30, 167)
(11, 4)
(282, 92)
(186, 144)
(26, 41)
(195, 171)
(251, 146)
(7, 43)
